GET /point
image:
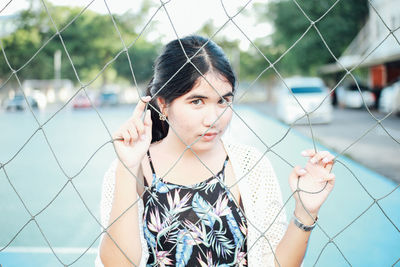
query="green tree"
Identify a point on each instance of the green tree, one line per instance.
(91, 41)
(338, 28)
(19, 47)
(248, 64)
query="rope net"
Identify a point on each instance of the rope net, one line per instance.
(271, 65)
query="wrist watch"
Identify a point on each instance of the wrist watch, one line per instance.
(302, 226)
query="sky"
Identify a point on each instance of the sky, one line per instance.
(187, 15)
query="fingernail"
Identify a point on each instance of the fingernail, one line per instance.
(313, 160)
(304, 153)
(302, 171)
(146, 98)
(325, 160)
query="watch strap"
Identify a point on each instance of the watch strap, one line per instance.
(302, 226)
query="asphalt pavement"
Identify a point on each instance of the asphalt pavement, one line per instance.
(356, 134)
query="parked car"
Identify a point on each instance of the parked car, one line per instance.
(349, 96)
(108, 98)
(390, 99)
(81, 101)
(310, 93)
(19, 103)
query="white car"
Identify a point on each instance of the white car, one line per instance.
(349, 96)
(390, 99)
(310, 92)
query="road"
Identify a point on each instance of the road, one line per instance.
(76, 135)
(376, 149)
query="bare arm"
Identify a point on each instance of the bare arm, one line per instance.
(292, 247)
(121, 245)
(316, 177)
(125, 230)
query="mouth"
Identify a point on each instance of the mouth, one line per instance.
(209, 136)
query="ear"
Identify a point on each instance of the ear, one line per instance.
(162, 105)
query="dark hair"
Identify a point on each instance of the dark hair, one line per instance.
(175, 82)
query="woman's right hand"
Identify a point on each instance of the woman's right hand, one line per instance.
(136, 136)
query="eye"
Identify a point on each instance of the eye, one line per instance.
(228, 100)
(197, 101)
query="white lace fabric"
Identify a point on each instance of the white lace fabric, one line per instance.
(261, 197)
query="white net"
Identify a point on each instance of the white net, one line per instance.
(271, 65)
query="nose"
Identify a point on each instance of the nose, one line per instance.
(210, 116)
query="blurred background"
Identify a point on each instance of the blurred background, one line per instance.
(344, 69)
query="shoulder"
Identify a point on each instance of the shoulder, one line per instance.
(109, 175)
(247, 153)
(248, 161)
(239, 148)
(113, 165)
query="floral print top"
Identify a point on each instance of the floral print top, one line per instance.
(195, 225)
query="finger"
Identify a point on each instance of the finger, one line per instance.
(145, 98)
(300, 171)
(329, 178)
(308, 152)
(116, 136)
(328, 162)
(328, 158)
(134, 134)
(296, 173)
(319, 156)
(126, 136)
(328, 166)
(140, 107)
(138, 124)
(147, 119)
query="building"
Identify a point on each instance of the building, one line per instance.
(375, 47)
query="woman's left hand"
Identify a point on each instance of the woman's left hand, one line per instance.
(315, 177)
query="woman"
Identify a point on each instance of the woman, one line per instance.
(199, 200)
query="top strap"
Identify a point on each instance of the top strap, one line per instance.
(154, 172)
(151, 162)
(225, 162)
(152, 169)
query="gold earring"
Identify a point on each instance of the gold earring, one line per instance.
(162, 117)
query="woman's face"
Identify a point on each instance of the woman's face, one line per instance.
(202, 109)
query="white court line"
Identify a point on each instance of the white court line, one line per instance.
(47, 250)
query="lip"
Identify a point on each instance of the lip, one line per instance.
(209, 136)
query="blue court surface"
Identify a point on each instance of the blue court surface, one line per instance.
(71, 228)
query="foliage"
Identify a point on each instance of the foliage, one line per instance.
(91, 41)
(338, 28)
(142, 56)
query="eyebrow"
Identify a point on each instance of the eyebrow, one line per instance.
(205, 97)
